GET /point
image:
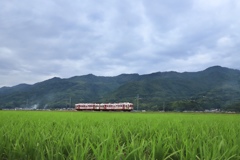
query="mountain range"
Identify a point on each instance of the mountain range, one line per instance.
(213, 88)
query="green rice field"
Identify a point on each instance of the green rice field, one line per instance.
(30, 135)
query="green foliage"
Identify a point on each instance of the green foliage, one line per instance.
(234, 107)
(100, 135)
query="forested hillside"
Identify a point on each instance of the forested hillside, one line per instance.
(216, 87)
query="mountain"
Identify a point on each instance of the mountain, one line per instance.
(215, 87)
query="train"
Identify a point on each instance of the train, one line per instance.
(124, 106)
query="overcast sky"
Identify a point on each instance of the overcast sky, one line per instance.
(41, 39)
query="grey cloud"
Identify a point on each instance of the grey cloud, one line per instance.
(58, 38)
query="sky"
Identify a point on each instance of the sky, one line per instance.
(42, 39)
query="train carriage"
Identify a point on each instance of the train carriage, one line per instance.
(125, 106)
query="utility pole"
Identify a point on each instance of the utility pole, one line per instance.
(163, 106)
(27, 103)
(137, 101)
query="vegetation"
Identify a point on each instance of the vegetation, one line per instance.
(100, 135)
(216, 87)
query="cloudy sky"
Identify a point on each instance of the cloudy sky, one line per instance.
(41, 39)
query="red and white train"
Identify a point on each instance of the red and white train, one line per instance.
(125, 106)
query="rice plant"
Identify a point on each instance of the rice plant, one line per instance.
(113, 135)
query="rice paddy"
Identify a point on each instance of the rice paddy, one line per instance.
(28, 135)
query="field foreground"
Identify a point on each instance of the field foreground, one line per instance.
(112, 135)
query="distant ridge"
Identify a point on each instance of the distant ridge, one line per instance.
(215, 87)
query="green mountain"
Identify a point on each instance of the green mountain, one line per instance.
(216, 87)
